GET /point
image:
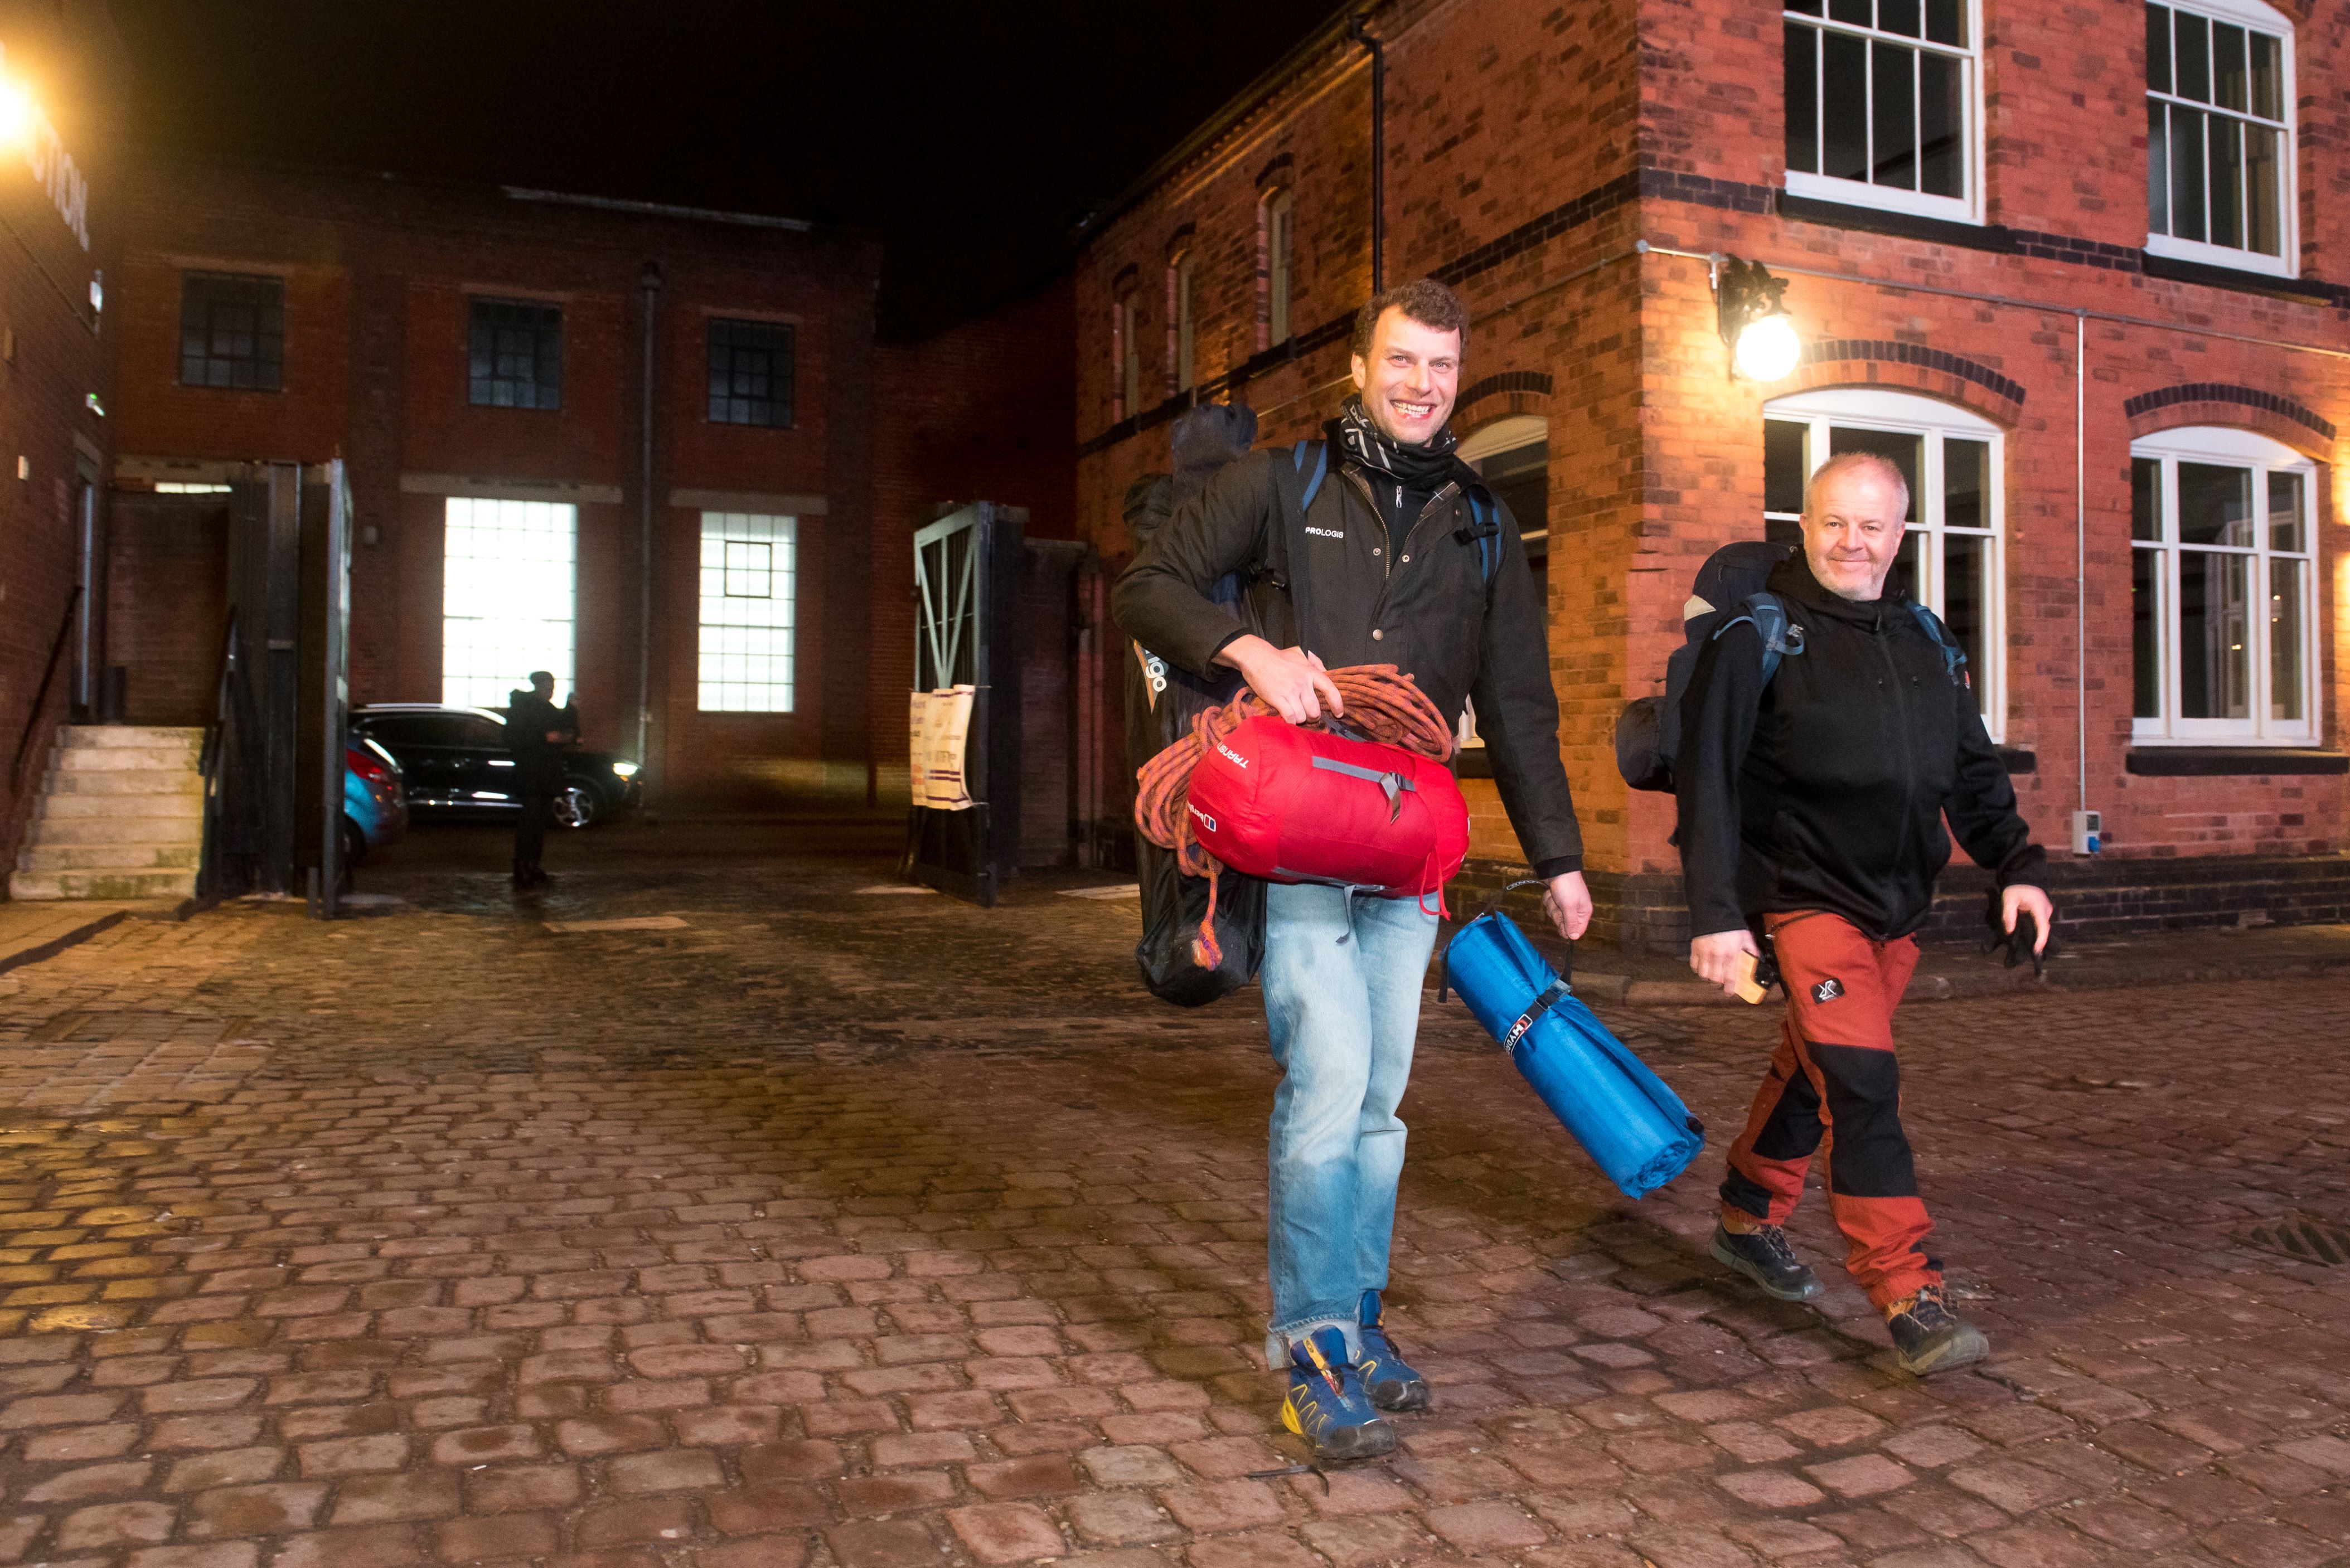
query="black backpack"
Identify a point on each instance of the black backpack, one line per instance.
(1729, 591)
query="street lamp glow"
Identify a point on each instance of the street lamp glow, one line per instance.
(1768, 350)
(17, 115)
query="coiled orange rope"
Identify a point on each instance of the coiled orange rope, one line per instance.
(1381, 701)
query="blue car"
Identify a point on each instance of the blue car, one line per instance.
(375, 800)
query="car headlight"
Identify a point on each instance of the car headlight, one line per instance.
(626, 770)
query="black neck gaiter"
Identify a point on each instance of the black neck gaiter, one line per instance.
(1413, 467)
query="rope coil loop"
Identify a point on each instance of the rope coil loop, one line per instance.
(1382, 703)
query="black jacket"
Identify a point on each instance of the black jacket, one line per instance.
(1420, 602)
(538, 761)
(1827, 791)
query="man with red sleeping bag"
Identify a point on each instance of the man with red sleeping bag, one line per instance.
(1392, 565)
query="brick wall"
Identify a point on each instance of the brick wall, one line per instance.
(1528, 151)
(982, 412)
(56, 359)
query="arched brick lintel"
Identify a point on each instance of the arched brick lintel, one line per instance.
(1936, 372)
(2294, 422)
(2233, 416)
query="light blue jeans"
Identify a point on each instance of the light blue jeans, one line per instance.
(1342, 980)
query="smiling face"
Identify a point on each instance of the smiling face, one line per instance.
(1412, 376)
(1853, 532)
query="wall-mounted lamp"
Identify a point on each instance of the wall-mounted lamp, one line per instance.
(1753, 308)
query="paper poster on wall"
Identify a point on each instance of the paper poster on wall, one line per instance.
(939, 724)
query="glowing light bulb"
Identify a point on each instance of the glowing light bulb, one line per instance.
(1768, 350)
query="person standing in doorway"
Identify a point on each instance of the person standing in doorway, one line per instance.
(537, 731)
(1811, 817)
(1397, 567)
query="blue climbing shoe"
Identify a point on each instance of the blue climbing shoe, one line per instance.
(1388, 1379)
(1327, 1406)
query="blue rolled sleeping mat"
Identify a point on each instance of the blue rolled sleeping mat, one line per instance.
(1634, 1128)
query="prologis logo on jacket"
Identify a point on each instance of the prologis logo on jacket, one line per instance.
(1326, 533)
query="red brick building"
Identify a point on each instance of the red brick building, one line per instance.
(2084, 274)
(479, 359)
(62, 72)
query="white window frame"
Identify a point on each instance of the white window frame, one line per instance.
(1279, 209)
(2233, 448)
(527, 599)
(728, 673)
(1909, 413)
(1963, 209)
(2253, 14)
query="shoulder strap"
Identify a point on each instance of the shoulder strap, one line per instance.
(1321, 467)
(1486, 551)
(1954, 658)
(1768, 616)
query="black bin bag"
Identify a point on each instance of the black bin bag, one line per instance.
(1172, 907)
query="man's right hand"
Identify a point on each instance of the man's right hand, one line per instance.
(1715, 957)
(1291, 680)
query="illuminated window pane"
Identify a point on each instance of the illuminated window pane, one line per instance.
(506, 597)
(749, 567)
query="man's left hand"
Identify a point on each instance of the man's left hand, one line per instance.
(1568, 902)
(2036, 899)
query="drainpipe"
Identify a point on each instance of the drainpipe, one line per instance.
(1358, 32)
(651, 281)
(2081, 541)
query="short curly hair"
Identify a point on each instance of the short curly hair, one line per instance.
(1423, 300)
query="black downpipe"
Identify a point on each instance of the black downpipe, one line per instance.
(1357, 30)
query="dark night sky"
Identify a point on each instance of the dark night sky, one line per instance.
(970, 137)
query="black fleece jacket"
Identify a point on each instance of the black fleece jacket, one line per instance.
(1386, 582)
(1828, 790)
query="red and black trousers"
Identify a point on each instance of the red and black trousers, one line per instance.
(1834, 1078)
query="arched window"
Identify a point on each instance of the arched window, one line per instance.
(2223, 589)
(1276, 244)
(1953, 460)
(1512, 456)
(1126, 356)
(2219, 134)
(1182, 331)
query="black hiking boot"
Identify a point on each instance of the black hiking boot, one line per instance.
(1929, 1338)
(1765, 1257)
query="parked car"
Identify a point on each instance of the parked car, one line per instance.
(457, 760)
(375, 801)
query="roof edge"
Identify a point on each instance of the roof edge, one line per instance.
(1237, 107)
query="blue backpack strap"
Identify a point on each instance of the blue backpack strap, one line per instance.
(1767, 615)
(1321, 467)
(1954, 658)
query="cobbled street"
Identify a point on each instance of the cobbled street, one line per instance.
(797, 1224)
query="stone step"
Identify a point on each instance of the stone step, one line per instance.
(88, 736)
(81, 805)
(48, 831)
(123, 885)
(109, 857)
(121, 781)
(125, 759)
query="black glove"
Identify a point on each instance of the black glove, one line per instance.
(2020, 941)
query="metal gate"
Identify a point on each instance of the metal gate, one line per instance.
(273, 759)
(967, 590)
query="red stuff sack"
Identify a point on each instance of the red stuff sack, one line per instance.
(1292, 804)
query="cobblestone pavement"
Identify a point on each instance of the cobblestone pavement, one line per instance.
(798, 1225)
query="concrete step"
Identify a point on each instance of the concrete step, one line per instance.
(56, 831)
(109, 857)
(82, 805)
(84, 736)
(125, 759)
(121, 781)
(30, 885)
